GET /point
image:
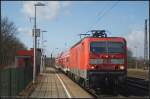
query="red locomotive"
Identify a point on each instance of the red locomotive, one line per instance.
(96, 61)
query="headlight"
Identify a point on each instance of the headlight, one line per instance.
(121, 67)
(117, 61)
(96, 61)
(92, 67)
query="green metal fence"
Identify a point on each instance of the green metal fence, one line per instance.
(4, 82)
(14, 80)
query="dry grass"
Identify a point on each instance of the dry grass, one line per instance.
(140, 73)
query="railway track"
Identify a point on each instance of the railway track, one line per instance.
(106, 94)
(139, 86)
(121, 92)
(98, 93)
(138, 83)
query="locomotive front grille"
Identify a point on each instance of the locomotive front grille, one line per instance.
(117, 61)
(96, 61)
(106, 61)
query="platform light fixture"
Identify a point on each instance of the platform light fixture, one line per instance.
(35, 41)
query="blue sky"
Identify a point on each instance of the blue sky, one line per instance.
(64, 20)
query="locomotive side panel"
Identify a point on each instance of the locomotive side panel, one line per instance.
(72, 60)
(75, 60)
(85, 57)
(78, 59)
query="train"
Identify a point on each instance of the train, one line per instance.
(96, 61)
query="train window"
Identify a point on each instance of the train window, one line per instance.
(98, 47)
(98, 44)
(115, 47)
(101, 47)
(115, 44)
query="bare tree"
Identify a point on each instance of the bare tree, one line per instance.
(9, 43)
(131, 59)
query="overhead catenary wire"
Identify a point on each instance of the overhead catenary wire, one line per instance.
(103, 14)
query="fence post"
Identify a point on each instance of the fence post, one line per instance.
(10, 81)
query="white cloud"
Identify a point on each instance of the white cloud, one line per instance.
(49, 12)
(28, 8)
(66, 3)
(25, 31)
(136, 38)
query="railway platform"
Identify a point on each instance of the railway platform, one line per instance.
(55, 84)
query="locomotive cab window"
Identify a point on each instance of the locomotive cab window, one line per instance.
(107, 47)
(98, 47)
(115, 47)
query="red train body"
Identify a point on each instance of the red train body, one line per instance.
(63, 62)
(95, 61)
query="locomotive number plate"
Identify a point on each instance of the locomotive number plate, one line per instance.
(108, 67)
(105, 61)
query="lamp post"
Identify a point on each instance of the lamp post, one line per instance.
(52, 52)
(52, 56)
(35, 39)
(44, 58)
(58, 51)
(42, 51)
(136, 55)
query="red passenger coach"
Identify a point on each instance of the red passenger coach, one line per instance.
(62, 61)
(97, 61)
